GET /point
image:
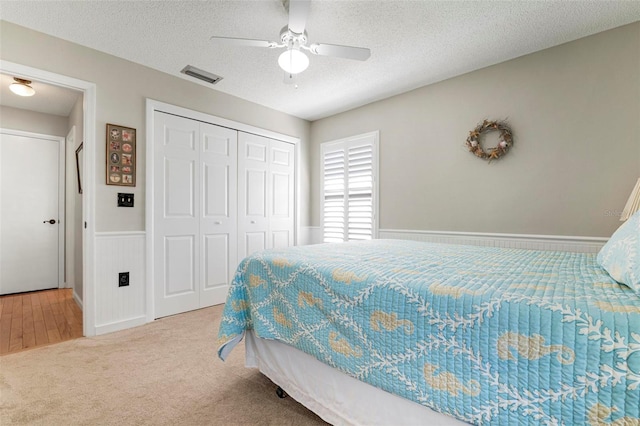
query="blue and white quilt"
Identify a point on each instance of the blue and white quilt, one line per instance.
(487, 335)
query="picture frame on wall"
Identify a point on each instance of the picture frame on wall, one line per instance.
(121, 155)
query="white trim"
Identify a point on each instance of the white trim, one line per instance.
(493, 235)
(218, 121)
(525, 241)
(88, 178)
(313, 235)
(150, 107)
(296, 190)
(121, 325)
(120, 234)
(62, 217)
(77, 299)
(70, 231)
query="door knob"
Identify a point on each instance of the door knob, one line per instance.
(51, 221)
(253, 221)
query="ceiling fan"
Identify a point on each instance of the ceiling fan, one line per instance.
(294, 38)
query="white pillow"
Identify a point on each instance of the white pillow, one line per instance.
(620, 257)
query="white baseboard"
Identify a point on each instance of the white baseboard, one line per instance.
(313, 235)
(120, 325)
(521, 241)
(77, 299)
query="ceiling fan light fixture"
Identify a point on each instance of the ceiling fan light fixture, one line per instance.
(21, 87)
(293, 61)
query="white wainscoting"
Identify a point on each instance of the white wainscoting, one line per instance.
(313, 235)
(521, 241)
(118, 308)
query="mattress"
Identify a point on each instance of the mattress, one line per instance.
(486, 335)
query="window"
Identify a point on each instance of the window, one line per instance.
(349, 188)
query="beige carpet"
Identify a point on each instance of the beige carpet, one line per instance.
(163, 373)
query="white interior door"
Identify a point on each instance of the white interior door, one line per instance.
(176, 214)
(31, 211)
(218, 221)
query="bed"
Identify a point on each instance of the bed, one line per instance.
(440, 334)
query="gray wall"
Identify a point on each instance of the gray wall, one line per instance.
(575, 113)
(122, 87)
(29, 121)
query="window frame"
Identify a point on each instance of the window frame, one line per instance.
(344, 144)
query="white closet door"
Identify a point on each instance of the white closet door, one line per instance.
(265, 194)
(218, 221)
(280, 178)
(253, 166)
(176, 214)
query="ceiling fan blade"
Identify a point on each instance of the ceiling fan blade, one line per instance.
(245, 41)
(347, 52)
(298, 12)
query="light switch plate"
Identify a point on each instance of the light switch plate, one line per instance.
(125, 200)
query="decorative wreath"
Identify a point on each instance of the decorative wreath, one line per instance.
(506, 140)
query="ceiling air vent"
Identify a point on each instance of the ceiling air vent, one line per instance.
(201, 74)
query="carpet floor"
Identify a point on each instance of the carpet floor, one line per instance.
(163, 373)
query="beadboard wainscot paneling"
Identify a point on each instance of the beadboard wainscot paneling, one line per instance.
(118, 308)
(313, 235)
(519, 241)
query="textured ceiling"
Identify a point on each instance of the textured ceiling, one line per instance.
(413, 43)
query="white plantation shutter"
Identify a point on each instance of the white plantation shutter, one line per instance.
(349, 168)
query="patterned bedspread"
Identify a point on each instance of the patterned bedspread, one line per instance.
(488, 335)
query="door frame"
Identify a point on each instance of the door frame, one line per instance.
(151, 107)
(88, 177)
(61, 191)
(69, 262)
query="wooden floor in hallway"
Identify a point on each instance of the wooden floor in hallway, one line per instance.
(29, 320)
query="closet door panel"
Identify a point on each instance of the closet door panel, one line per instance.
(179, 264)
(176, 224)
(216, 257)
(282, 197)
(253, 200)
(179, 187)
(218, 218)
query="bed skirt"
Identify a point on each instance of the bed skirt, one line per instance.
(335, 397)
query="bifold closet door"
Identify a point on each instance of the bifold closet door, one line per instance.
(195, 168)
(219, 215)
(265, 194)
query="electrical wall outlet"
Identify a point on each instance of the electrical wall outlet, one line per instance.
(123, 279)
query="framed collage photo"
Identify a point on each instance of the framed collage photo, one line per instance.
(121, 155)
